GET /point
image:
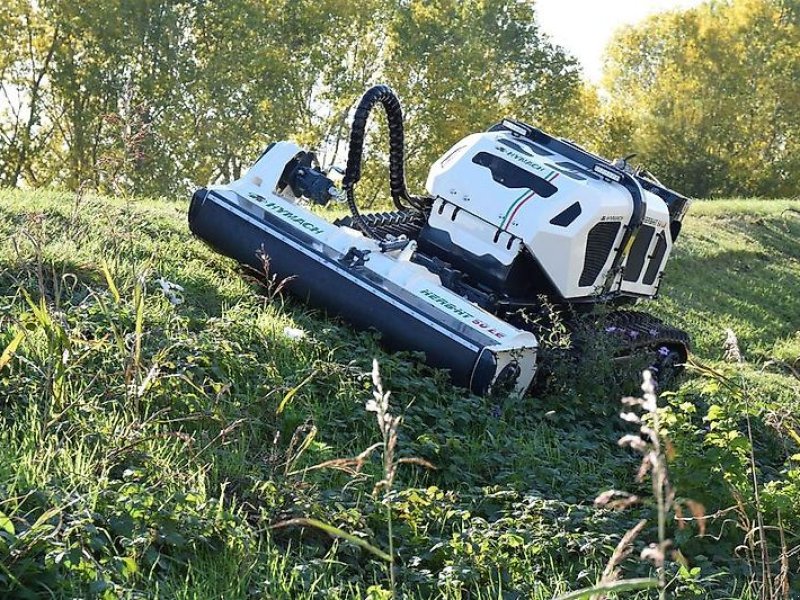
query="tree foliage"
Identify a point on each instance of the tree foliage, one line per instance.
(28, 44)
(710, 96)
(464, 65)
(155, 96)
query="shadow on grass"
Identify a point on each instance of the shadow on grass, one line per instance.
(755, 291)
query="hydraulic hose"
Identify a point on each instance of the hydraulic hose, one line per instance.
(384, 95)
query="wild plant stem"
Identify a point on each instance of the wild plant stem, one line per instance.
(765, 559)
(659, 491)
(391, 548)
(658, 484)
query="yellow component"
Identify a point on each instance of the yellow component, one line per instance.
(628, 245)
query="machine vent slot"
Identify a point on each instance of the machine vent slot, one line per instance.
(638, 253)
(514, 146)
(512, 176)
(536, 148)
(599, 244)
(565, 218)
(654, 268)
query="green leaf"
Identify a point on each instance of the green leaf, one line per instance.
(98, 586)
(336, 532)
(41, 522)
(175, 539)
(291, 393)
(5, 358)
(626, 585)
(715, 413)
(129, 566)
(110, 281)
(6, 524)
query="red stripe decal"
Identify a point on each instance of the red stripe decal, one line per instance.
(520, 205)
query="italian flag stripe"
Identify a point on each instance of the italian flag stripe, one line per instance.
(513, 204)
(517, 204)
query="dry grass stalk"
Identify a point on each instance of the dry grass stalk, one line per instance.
(621, 552)
(781, 582)
(655, 450)
(389, 425)
(732, 352)
(265, 279)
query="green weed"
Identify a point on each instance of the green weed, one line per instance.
(148, 446)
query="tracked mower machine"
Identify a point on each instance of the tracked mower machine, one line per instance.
(515, 219)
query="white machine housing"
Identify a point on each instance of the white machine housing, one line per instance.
(499, 194)
(514, 214)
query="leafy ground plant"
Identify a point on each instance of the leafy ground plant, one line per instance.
(389, 427)
(147, 446)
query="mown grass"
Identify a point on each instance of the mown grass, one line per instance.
(147, 448)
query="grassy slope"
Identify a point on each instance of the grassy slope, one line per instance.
(161, 453)
(739, 270)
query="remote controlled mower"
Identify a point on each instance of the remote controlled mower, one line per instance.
(514, 219)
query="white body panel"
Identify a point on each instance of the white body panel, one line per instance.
(485, 216)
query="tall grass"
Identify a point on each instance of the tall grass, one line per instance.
(152, 438)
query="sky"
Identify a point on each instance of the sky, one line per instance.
(584, 27)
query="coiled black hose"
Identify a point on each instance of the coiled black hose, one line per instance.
(384, 95)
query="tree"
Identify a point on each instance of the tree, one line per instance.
(711, 95)
(117, 79)
(153, 96)
(461, 66)
(28, 43)
(291, 75)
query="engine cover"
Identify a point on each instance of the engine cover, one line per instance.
(522, 210)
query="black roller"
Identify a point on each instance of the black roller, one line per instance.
(237, 227)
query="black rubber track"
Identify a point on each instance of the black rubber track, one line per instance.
(396, 223)
(636, 330)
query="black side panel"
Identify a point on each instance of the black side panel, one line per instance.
(638, 254)
(317, 278)
(523, 278)
(566, 217)
(655, 262)
(599, 243)
(512, 176)
(485, 269)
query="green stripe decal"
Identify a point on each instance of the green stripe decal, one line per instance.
(526, 195)
(513, 204)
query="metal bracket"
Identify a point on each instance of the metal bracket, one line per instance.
(355, 257)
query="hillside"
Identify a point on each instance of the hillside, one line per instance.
(150, 438)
